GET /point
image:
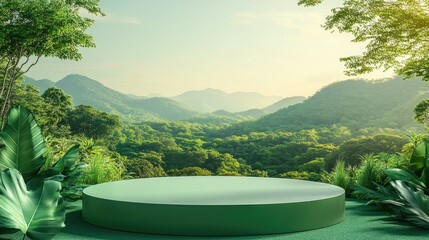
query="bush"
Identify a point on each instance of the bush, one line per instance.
(102, 168)
(143, 169)
(189, 171)
(316, 166)
(295, 175)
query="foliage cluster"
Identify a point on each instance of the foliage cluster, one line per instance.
(33, 29)
(406, 196)
(32, 197)
(394, 32)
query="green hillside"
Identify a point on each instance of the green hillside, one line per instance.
(253, 113)
(284, 103)
(353, 103)
(163, 108)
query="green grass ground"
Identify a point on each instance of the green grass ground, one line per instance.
(361, 222)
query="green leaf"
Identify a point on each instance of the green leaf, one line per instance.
(23, 143)
(308, 3)
(420, 154)
(400, 174)
(66, 171)
(416, 204)
(39, 214)
(419, 160)
(66, 162)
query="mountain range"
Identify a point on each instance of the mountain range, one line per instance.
(356, 104)
(130, 107)
(259, 112)
(210, 100)
(90, 92)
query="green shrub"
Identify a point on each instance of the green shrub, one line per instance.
(295, 175)
(102, 168)
(317, 165)
(189, 171)
(139, 168)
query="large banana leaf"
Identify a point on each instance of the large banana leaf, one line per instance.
(39, 214)
(23, 143)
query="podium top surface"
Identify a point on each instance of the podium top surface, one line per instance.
(213, 190)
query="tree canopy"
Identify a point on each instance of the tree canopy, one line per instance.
(395, 33)
(92, 123)
(31, 29)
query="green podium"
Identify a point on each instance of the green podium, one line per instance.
(213, 206)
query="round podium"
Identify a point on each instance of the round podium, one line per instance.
(213, 206)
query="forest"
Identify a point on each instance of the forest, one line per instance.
(117, 149)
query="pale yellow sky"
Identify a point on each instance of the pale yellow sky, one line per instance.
(167, 47)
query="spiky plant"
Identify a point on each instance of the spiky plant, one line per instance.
(341, 177)
(369, 171)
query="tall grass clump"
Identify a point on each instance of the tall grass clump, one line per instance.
(369, 171)
(342, 177)
(102, 168)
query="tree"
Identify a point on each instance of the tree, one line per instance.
(395, 33)
(59, 103)
(58, 98)
(352, 151)
(92, 123)
(50, 109)
(143, 169)
(422, 112)
(31, 29)
(189, 171)
(317, 166)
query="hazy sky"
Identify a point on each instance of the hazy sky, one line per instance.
(170, 46)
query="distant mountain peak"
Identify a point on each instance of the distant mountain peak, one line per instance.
(79, 78)
(42, 84)
(210, 100)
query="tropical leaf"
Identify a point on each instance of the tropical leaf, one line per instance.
(416, 204)
(403, 175)
(419, 156)
(38, 214)
(420, 160)
(66, 171)
(73, 174)
(380, 195)
(65, 163)
(23, 143)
